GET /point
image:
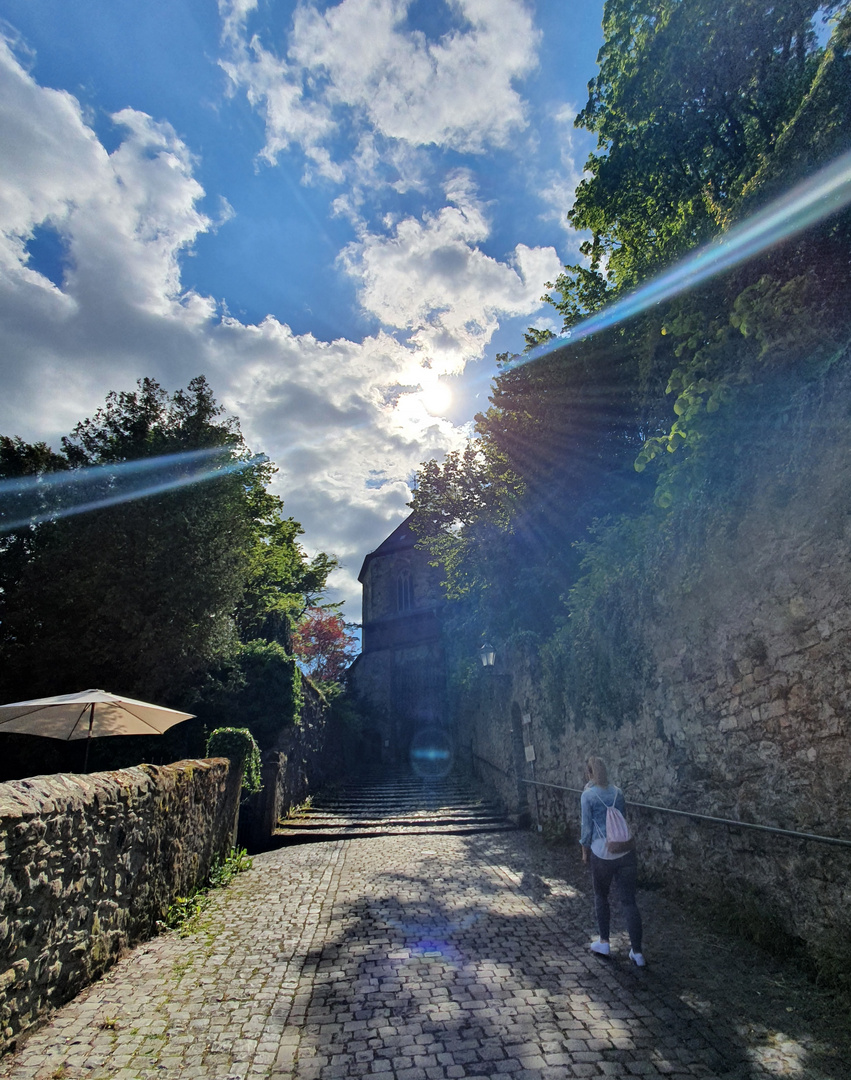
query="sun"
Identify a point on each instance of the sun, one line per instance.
(437, 398)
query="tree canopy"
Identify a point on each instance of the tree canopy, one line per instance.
(689, 104)
(324, 645)
(146, 595)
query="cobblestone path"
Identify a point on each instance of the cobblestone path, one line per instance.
(423, 958)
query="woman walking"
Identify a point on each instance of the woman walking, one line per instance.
(608, 866)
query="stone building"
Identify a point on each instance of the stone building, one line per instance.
(400, 675)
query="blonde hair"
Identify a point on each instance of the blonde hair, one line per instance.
(597, 771)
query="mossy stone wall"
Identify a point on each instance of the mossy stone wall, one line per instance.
(90, 863)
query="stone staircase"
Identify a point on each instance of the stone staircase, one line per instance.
(395, 804)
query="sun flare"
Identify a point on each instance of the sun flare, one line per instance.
(437, 398)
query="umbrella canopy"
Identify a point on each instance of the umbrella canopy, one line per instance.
(87, 715)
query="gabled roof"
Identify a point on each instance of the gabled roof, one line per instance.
(402, 538)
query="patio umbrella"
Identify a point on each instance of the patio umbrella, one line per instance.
(87, 715)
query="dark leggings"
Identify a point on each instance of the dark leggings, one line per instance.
(624, 872)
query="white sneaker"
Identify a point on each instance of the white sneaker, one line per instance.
(636, 957)
(601, 947)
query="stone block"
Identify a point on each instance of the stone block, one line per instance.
(773, 709)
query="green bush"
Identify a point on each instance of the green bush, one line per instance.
(260, 684)
(239, 745)
(594, 668)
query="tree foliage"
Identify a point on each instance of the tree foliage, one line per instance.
(459, 504)
(282, 583)
(691, 99)
(149, 595)
(257, 685)
(324, 645)
(554, 452)
(704, 112)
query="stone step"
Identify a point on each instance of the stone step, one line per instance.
(390, 805)
(395, 794)
(359, 795)
(382, 808)
(343, 822)
(377, 815)
(283, 835)
(392, 808)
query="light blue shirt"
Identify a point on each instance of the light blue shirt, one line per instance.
(594, 803)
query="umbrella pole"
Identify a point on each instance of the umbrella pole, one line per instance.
(89, 738)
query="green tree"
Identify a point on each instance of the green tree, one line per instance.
(22, 499)
(461, 507)
(554, 452)
(257, 686)
(690, 99)
(145, 595)
(703, 111)
(282, 583)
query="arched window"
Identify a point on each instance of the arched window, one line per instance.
(404, 591)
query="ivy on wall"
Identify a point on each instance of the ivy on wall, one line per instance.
(239, 746)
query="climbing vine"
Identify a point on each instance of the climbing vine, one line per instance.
(594, 667)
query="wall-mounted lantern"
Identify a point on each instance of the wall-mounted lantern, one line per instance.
(488, 655)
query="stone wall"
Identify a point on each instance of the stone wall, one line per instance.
(744, 714)
(89, 866)
(403, 695)
(302, 760)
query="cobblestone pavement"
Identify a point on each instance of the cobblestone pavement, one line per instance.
(423, 958)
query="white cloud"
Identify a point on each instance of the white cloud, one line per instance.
(344, 420)
(558, 186)
(234, 14)
(291, 116)
(39, 128)
(331, 414)
(368, 100)
(327, 414)
(455, 92)
(125, 218)
(431, 279)
(356, 68)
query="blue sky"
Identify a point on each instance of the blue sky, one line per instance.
(339, 212)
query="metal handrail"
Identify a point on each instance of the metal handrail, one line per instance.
(707, 817)
(490, 764)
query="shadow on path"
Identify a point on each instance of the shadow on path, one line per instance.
(434, 958)
(442, 966)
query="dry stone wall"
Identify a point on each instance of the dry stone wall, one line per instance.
(745, 714)
(91, 863)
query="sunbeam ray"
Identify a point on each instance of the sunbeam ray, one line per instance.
(22, 499)
(825, 193)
